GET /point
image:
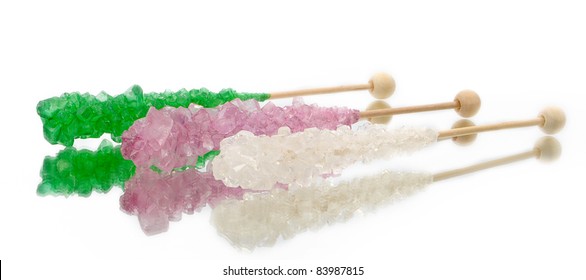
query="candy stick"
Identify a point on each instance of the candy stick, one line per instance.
(261, 219)
(260, 162)
(170, 138)
(75, 115)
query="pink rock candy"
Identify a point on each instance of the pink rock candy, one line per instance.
(175, 137)
(157, 198)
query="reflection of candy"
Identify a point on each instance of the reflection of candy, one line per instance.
(260, 162)
(81, 171)
(170, 138)
(76, 115)
(260, 219)
(157, 199)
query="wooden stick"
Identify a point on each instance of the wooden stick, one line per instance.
(409, 109)
(466, 103)
(551, 120)
(324, 90)
(490, 127)
(546, 149)
(381, 86)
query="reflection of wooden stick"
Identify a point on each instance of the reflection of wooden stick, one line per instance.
(551, 120)
(463, 140)
(546, 149)
(381, 86)
(466, 103)
(484, 165)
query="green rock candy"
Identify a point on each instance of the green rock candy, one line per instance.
(75, 115)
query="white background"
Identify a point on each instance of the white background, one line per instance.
(525, 220)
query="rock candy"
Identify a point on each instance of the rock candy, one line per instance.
(261, 162)
(75, 115)
(173, 137)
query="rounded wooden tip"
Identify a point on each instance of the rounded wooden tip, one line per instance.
(469, 103)
(377, 105)
(382, 85)
(554, 120)
(549, 148)
(465, 139)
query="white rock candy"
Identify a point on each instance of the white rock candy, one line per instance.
(260, 162)
(260, 219)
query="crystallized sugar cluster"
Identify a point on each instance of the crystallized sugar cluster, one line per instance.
(158, 198)
(75, 115)
(260, 162)
(80, 172)
(170, 138)
(260, 219)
